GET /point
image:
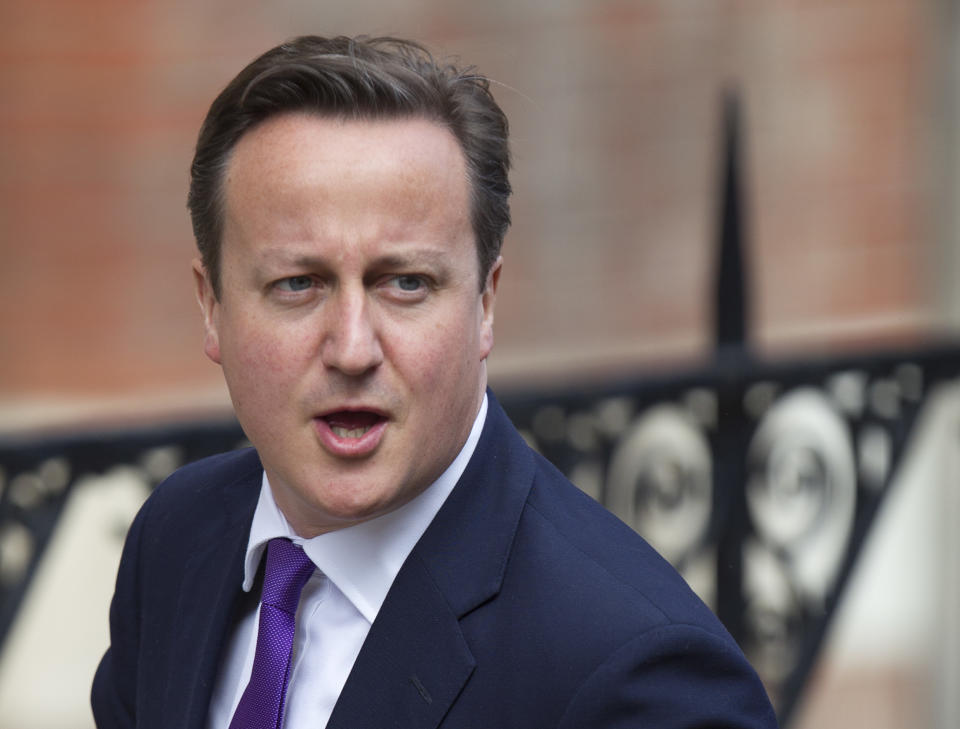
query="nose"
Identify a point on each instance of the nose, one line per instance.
(351, 342)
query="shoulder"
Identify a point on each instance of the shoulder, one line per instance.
(213, 471)
(600, 623)
(576, 554)
(646, 641)
(209, 479)
(197, 507)
(637, 583)
(200, 496)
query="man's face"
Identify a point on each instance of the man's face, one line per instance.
(351, 327)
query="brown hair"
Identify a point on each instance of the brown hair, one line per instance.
(356, 78)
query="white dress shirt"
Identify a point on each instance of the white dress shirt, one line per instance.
(355, 568)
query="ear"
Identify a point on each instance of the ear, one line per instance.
(210, 307)
(487, 300)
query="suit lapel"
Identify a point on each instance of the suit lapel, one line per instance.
(415, 660)
(413, 664)
(209, 597)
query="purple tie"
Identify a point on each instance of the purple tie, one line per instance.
(288, 569)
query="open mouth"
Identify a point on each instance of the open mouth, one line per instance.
(351, 433)
(352, 423)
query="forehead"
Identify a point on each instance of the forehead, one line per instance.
(303, 147)
(301, 174)
(305, 187)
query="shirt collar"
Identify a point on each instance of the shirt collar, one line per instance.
(362, 560)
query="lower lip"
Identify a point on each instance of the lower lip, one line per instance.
(344, 447)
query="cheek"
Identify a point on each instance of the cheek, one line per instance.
(417, 361)
(256, 357)
(447, 355)
(418, 357)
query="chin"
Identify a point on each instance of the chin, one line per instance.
(345, 507)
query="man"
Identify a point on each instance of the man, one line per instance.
(424, 568)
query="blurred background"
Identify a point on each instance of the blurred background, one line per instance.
(850, 112)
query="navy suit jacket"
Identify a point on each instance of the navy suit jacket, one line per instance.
(525, 604)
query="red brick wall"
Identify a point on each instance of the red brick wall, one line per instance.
(615, 113)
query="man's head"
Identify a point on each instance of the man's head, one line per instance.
(356, 78)
(341, 260)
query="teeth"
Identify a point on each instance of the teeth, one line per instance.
(348, 432)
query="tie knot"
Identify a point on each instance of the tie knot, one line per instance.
(288, 569)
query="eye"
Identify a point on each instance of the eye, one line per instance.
(406, 288)
(406, 282)
(294, 283)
